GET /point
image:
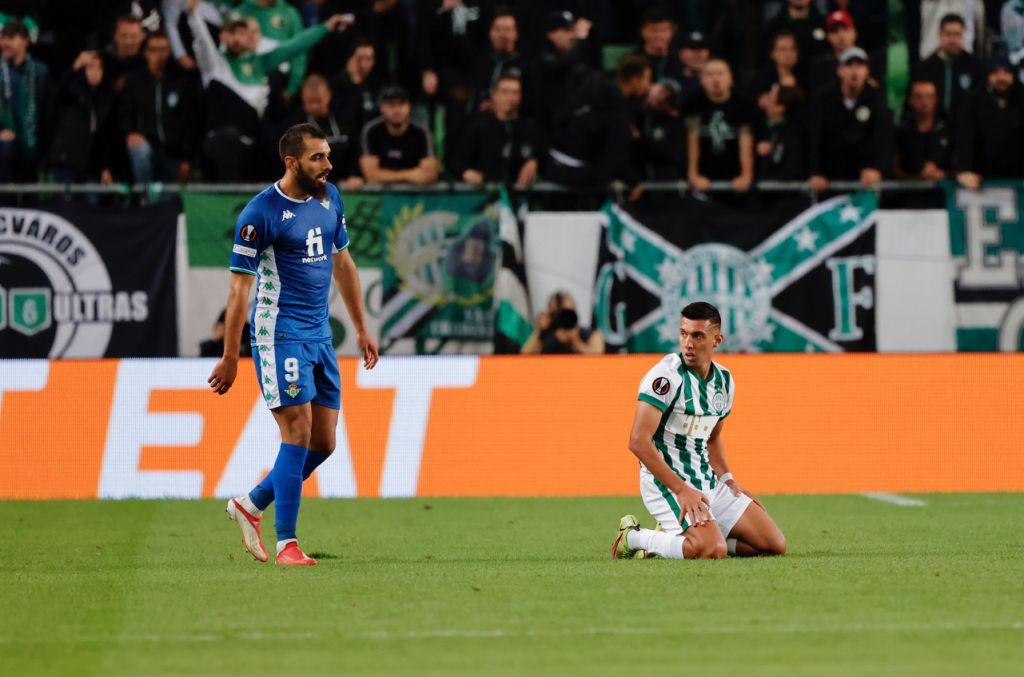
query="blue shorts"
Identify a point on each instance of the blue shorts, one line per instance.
(296, 373)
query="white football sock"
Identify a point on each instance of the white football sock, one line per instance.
(669, 546)
(249, 506)
(730, 544)
(281, 544)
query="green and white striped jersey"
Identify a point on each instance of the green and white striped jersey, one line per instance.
(690, 408)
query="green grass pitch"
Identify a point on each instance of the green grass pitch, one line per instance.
(509, 586)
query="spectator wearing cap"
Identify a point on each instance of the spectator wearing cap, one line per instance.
(158, 115)
(396, 149)
(24, 100)
(693, 54)
(923, 145)
(781, 147)
(594, 138)
(124, 54)
(841, 34)
(850, 126)
(802, 19)
(357, 88)
(500, 145)
(317, 108)
(783, 69)
(562, 60)
(990, 131)
(720, 140)
(952, 70)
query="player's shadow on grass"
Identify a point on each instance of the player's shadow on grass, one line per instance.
(322, 555)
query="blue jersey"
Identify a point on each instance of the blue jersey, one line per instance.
(289, 245)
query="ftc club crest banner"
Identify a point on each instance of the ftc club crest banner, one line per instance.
(789, 278)
(88, 282)
(440, 255)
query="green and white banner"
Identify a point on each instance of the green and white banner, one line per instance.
(986, 238)
(789, 278)
(440, 256)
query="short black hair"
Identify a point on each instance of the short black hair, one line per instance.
(15, 27)
(631, 66)
(507, 75)
(700, 310)
(786, 33)
(294, 137)
(656, 14)
(500, 11)
(951, 19)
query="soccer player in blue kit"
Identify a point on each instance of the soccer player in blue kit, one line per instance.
(291, 240)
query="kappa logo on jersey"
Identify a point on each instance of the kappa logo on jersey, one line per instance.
(660, 385)
(248, 233)
(293, 391)
(287, 214)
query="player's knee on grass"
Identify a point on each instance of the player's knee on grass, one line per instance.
(704, 542)
(776, 544)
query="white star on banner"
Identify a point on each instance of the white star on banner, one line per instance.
(849, 214)
(806, 240)
(629, 240)
(763, 269)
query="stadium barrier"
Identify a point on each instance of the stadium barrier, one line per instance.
(511, 426)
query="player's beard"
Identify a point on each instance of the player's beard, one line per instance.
(310, 184)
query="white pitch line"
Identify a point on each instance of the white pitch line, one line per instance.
(501, 633)
(895, 499)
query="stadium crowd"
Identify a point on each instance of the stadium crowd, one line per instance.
(580, 92)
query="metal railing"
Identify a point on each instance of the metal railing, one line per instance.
(445, 187)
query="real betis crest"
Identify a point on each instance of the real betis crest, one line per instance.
(667, 266)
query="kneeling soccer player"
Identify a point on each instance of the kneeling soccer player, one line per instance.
(684, 480)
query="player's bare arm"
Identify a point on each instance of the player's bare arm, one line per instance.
(716, 457)
(346, 278)
(693, 505)
(223, 375)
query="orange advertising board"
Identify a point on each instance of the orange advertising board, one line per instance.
(512, 426)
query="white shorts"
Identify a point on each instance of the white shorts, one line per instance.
(726, 509)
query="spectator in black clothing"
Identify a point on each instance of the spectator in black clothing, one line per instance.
(24, 100)
(83, 109)
(593, 142)
(990, 131)
(124, 55)
(159, 116)
(783, 67)
(395, 148)
(693, 54)
(923, 147)
(499, 145)
(952, 70)
(357, 87)
(802, 19)
(561, 60)
(657, 30)
(450, 39)
(850, 126)
(719, 131)
(317, 99)
(782, 140)
(502, 57)
(841, 34)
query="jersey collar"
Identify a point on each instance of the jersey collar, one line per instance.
(290, 199)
